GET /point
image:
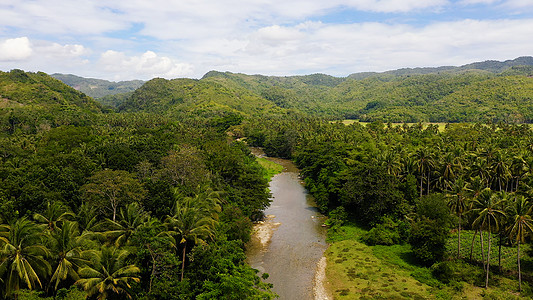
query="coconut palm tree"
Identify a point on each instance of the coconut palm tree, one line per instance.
(488, 218)
(457, 201)
(108, 274)
(500, 169)
(522, 224)
(425, 163)
(22, 257)
(129, 219)
(194, 220)
(54, 215)
(67, 252)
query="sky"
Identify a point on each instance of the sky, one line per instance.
(142, 39)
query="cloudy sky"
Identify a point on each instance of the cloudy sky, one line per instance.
(142, 39)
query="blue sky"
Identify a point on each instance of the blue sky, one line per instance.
(140, 39)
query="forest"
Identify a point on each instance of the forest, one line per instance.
(106, 205)
(153, 197)
(456, 201)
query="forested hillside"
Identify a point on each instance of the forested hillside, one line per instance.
(451, 209)
(479, 92)
(123, 205)
(205, 98)
(155, 198)
(98, 88)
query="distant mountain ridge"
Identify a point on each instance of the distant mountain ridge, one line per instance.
(492, 66)
(98, 88)
(489, 91)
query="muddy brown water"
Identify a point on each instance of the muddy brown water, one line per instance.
(297, 241)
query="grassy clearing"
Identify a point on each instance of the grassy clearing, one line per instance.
(508, 254)
(357, 271)
(271, 168)
(442, 126)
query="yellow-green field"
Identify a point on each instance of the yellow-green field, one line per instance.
(357, 271)
(271, 168)
(442, 126)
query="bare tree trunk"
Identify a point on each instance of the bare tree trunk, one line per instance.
(421, 183)
(519, 272)
(500, 253)
(183, 261)
(482, 250)
(472, 246)
(428, 182)
(488, 261)
(459, 239)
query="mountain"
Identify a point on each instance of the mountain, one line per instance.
(489, 91)
(491, 66)
(98, 88)
(21, 89)
(31, 102)
(206, 97)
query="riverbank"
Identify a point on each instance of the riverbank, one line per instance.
(289, 244)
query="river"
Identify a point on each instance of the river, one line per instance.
(289, 245)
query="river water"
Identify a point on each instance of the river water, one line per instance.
(289, 244)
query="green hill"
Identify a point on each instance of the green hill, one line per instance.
(482, 91)
(98, 88)
(36, 101)
(488, 91)
(206, 97)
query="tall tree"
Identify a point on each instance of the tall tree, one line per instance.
(129, 219)
(109, 274)
(22, 256)
(108, 190)
(425, 164)
(67, 252)
(54, 215)
(486, 207)
(194, 219)
(522, 225)
(457, 201)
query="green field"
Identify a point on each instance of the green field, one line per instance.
(357, 271)
(271, 168)
(442, 126)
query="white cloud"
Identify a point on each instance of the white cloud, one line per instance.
(147, 65)
(389, 6)
(519, 3)
(473, 2)
(15, 49)
(344, 49)
(61, 51)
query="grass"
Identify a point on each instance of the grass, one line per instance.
(357, 271)
(271, 168)
(442, 126)
(509, 260)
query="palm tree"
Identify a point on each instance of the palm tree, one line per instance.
(194, 220)
(109, 274)
(67, 252)
(517, 170)
(449, 170)
(500, 169)
(389, 159)
(87, 217)
(22, 257)
(424, 162)
(488, 215)
(522, 224)
(129, 219)
(54, 214)
(458, 205)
